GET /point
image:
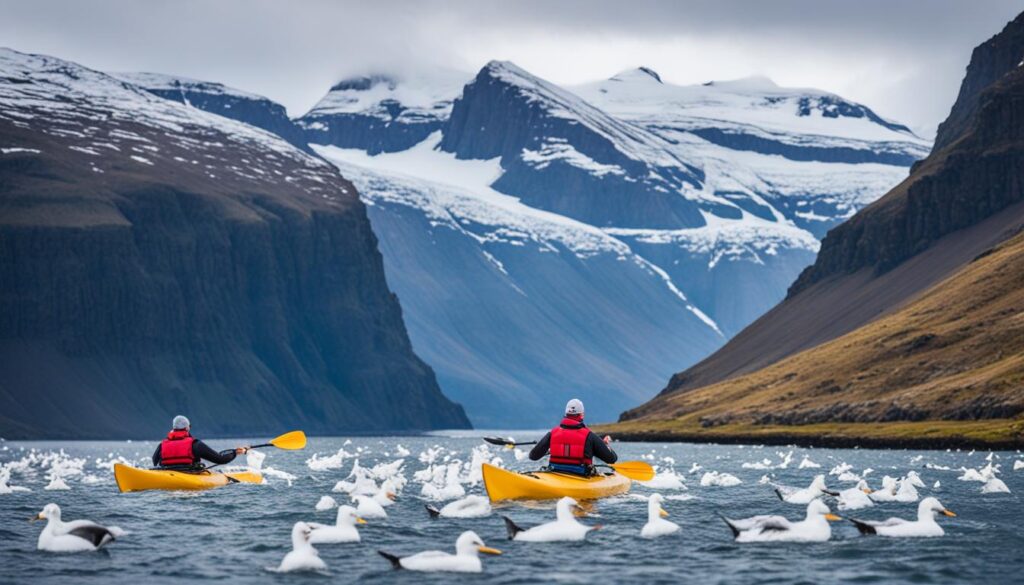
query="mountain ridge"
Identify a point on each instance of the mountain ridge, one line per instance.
(916, 244)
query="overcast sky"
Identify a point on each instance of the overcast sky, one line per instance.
(903, 58)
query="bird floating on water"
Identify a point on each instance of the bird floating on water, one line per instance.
(367, 507)
(465, 560)
(805, 495)
(303, 557)
(343, 530)
(74, 536)
(564, 527)
(656, 524)
(471, 506)
(813, 528)
(925, 525)
(856, 497)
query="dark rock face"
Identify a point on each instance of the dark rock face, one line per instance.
(563, 155)
(990, 61)
(978, 176)
(217, 99)
(373, 134)
(137, 282)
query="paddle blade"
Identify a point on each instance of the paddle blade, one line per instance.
(635, 470)
(499, 441)
(290, 441)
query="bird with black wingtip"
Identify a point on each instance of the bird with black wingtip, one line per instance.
(180, 450)
(571, 446)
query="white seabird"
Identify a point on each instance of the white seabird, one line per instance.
(471, 506)
(805, 495)
(856, 497)
(564, 527)
(656, 524)
(465, 560)
(325, 503)
(813, 528)
(74, 536)
(343, 530)
(925, 525)
(303, 557)
(367, 507)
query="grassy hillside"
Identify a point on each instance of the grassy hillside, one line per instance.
(947, 368)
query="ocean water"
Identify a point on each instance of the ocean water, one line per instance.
(233, 534)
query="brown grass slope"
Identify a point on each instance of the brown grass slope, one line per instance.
(956, 354)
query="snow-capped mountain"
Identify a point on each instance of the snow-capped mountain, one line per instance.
(383, 113)
(709, 198)
(156, 258)
(217, 98)
(805, 155)
(548, 241)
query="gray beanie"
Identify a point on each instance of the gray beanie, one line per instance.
(180, 423)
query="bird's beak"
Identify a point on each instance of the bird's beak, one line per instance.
(866, 490)
(39, 516)
(391, 496)
(578, 511)
(663, 513)
(360, 521)
(488, 550)
(948, 513)
(832, 517)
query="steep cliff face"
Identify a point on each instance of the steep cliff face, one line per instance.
(963, 200)
(216, 98)
(157, 259)
(990, 61)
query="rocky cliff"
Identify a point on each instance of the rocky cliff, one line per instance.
(156, 259)
(958, 204)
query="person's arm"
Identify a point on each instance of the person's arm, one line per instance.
(203, 451)
(601, 449)
(541, 448)
(156, 456)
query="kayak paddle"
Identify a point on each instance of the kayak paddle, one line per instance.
(506, 442)
(289, 441)
(635, 470)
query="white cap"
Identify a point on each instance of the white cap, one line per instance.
(180, 423)
(574, 406)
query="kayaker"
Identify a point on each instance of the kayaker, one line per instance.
(572, 446)
(180, 449)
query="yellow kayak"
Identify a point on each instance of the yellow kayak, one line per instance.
(133, 479)
(548, 485)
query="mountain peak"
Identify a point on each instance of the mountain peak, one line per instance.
(640, 74)
(363, 82)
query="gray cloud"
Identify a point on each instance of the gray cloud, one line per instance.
(903, 58)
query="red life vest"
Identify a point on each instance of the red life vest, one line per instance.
(568, 443)
(176, 449)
